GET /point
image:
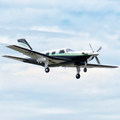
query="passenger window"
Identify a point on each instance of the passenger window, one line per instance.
(62, 51)
(53, 53)
(47, 53)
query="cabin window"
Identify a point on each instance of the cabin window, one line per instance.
(62, 51)
(53, 52)
(47, 53)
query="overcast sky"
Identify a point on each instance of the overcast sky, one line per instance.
(27, 92)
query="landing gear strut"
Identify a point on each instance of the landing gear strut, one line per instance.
(78, 72)
(46, 66)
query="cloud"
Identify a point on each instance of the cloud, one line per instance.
(93, 5)
(4, 39)
(16, 111)
(31, 92)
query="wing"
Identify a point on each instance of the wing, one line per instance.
(100, 66)
(37, 55)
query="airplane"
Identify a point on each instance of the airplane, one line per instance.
(64, 57)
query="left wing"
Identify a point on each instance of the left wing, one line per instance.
(37, 55)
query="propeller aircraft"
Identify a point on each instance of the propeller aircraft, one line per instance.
(64, 57)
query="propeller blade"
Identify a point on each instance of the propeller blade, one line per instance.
(97, 60)
(99, 49)
(91, 47)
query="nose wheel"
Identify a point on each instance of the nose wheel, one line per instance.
(85, 69)
(47, 70)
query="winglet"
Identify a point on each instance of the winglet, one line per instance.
(24, 43)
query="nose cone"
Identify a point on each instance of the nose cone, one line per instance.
(95, 53)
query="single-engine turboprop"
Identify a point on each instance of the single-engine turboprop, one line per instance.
(62, 57)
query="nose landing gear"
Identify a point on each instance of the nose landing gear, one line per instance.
(85, 69)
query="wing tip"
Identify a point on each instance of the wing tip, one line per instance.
(5, 56)
(116, 66)
(9, 46)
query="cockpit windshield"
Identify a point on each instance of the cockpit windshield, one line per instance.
(69, 50)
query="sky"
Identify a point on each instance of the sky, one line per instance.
(27, 92)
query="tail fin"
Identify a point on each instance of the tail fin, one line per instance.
(24, 43)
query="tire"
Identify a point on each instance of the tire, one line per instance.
(78, 76)
(85, 70)
(47, 70)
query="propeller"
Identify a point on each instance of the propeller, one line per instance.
(91, 48)
(99, 49)
(94, 55)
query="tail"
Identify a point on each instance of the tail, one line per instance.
(24, 43)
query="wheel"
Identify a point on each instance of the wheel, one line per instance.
(78, 76)
(85, 69)
(47, 70)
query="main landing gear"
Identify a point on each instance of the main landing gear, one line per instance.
(78, 76)
(78, 72)
(47, 69)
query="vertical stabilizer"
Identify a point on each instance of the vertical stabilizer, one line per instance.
(24, 43)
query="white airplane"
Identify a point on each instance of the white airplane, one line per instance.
(62, 57)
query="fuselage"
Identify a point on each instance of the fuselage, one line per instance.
(75, 56)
